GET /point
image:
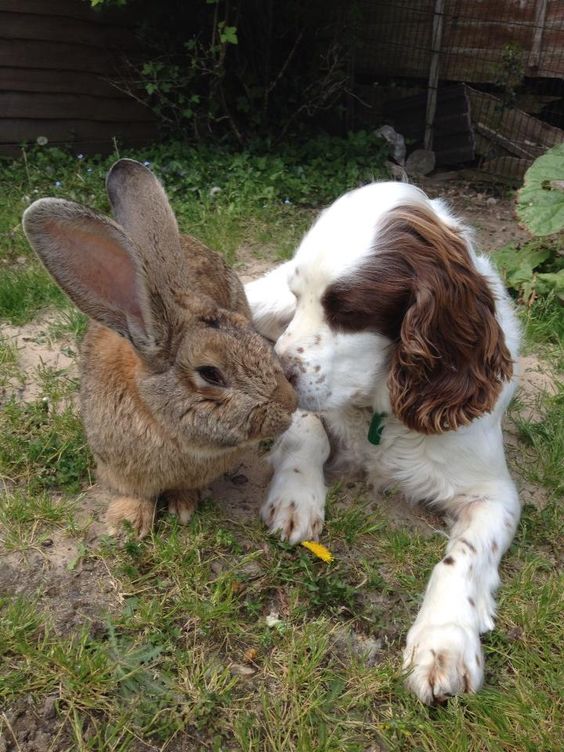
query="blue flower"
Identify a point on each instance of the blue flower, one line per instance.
(58, 183)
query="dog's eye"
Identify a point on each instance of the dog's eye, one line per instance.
(212, 375)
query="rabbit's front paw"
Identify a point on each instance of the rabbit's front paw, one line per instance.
(182, 504)
(139, 513)
(295, 517)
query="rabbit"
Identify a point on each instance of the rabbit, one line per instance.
(175, 383)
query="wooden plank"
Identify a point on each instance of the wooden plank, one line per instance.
(511, 167)
(57, 81)
(516, 132)
(51, 28)
(551, 63)
(540, 17)
(60, 56)
(78, 9)
(18, 130)
(74, 106)
(505, 11)
(395, 39)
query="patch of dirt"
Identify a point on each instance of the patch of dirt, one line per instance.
(248, 266)
(490, 215)
(535, 379)
(33, 727)
(70, 585)
(36, 349)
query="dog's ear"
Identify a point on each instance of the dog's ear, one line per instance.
(450, 358)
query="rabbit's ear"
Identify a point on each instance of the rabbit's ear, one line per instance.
(96, 264)
(140, 205)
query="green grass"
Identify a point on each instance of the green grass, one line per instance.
(174, 649)
(259, 198)
(42, 442)
(543, 441)
(189, 651)
(9, 371)
(539, 415)
(27, 518)
(25, 291)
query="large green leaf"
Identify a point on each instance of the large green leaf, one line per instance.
(540, 202)
(549, 281)
(517, 264)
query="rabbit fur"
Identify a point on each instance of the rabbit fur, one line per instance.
(175, 383)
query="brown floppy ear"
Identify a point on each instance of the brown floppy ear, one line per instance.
(451, 360)
(99, 267)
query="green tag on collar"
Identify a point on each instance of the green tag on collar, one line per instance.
(376, 428)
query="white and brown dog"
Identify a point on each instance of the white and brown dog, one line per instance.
(403, 338)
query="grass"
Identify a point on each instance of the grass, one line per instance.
(256, 199)
(216, 636)
(42, 442)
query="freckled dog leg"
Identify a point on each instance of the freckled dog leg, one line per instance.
(295, 503)
(138, 512)
(443, 652)
(182, 504)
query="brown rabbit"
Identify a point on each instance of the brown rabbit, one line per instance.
(174, 381)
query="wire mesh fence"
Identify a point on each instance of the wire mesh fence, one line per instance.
(476, 82)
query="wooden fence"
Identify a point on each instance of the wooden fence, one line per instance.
(479, 39)
(58, 59)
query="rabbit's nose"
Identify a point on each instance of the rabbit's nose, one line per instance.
(284, 393)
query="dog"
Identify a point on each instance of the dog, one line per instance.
(402, 345)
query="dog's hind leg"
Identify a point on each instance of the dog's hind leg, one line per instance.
(271, 301)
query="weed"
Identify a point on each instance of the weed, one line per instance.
(27, 520)
(24, 291)
(42, 444)
(9, 370)
(543, 441)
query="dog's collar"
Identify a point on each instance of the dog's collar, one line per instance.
(376, 428)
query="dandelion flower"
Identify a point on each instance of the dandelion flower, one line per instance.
(319, 550)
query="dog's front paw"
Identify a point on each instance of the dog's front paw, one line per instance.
(443, 661)
(293, 517)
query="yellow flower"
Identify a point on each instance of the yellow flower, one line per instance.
(320, 551)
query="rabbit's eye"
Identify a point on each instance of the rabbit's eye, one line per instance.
(212, 375)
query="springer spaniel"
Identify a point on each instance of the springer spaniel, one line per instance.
(404, 341)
